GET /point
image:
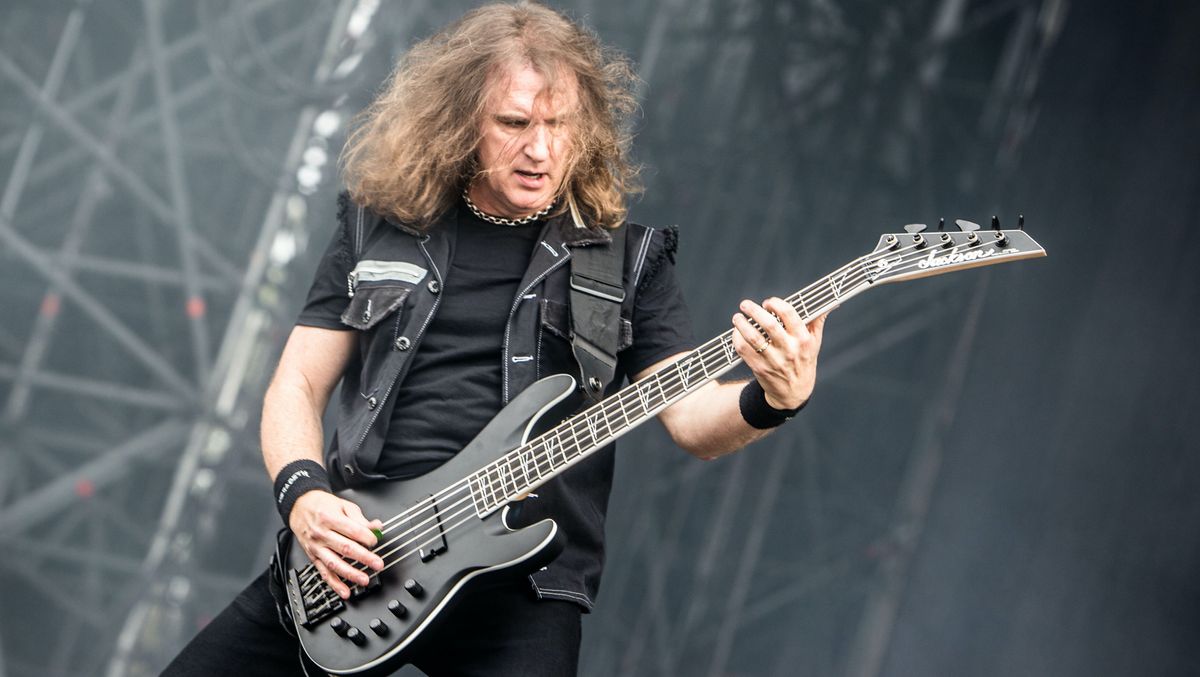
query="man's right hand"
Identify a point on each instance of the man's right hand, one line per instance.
(330, 529)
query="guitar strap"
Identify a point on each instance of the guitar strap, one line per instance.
(596, 297)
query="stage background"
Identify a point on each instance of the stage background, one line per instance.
(997, 474)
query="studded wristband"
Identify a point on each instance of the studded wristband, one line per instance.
(759, 413)
(296, 479)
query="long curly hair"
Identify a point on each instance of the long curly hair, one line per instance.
(413, 149)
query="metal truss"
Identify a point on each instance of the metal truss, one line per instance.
(157, 197)
(766, 563)
(164, 189)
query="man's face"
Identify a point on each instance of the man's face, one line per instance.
(526, 139)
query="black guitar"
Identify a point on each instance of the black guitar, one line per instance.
(448, 529)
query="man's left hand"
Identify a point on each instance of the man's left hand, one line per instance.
(785, 361)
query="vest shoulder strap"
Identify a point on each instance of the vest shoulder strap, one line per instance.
(596, 297)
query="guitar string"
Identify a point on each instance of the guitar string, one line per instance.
(714, 347)
(513, 461)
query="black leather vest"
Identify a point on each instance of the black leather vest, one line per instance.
(395, 289)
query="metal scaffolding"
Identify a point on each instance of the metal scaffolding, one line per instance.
(170, 168)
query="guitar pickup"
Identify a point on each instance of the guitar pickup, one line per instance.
(427, 531)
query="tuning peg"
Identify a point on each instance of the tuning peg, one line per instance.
(966, 226)
(915, 228)
(1020, 222)
(995, 222)
(941, 225)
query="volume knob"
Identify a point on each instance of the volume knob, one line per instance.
(398, 610)
(414, 588)
(355, 635)
(379, 627)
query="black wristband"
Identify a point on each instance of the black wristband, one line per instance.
(759, 413)
(296, 479)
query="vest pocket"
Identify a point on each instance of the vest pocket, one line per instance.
(371, 304)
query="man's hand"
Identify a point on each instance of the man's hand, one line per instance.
(785, 366)
(330, 529)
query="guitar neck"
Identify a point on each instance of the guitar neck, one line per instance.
(897, 257)
(542, 458)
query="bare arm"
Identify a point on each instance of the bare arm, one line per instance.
(708, 423)
(327, 527)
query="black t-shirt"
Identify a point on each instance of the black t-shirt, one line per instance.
(453, 387)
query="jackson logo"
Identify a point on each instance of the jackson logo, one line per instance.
(932, 261)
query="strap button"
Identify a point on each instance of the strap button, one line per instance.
(372, 403)
(594, 383)
(434, 287)
(402, 343)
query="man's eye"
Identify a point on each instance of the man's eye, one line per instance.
(513, 123)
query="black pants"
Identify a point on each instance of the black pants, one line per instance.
(496, 632)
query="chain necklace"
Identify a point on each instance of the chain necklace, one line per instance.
(501, 221)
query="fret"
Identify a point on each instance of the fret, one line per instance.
(489, 489)
(804, 314)
(588, 440)
(603, 416)
(591, 425)
(574, 437)
(505, 473)
(524, 467)
(685, 371)
(836, 283)
(643, 392)
(516, 474)
(550, 444)
(532, 458)
(477, 498)
(730, 352)
(562, 448)
(620, 401)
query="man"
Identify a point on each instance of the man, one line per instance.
(493, 157)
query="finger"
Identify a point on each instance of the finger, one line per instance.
(787, 315)
(355, 513)
(750, 336)
(350, 550)
(817, 327)
(763, 317)
(334, 582)
(341, 568)
(352, 528)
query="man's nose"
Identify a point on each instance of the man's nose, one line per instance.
(537, 146)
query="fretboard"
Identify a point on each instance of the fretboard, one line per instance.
(540, 459)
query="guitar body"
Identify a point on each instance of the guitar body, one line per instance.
(471, 552)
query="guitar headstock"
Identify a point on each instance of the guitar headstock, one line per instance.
(913, 254)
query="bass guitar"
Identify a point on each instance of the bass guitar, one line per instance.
(448, 528)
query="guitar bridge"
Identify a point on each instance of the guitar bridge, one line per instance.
(321, 602)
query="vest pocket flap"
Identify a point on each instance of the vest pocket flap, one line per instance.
(369, 305)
